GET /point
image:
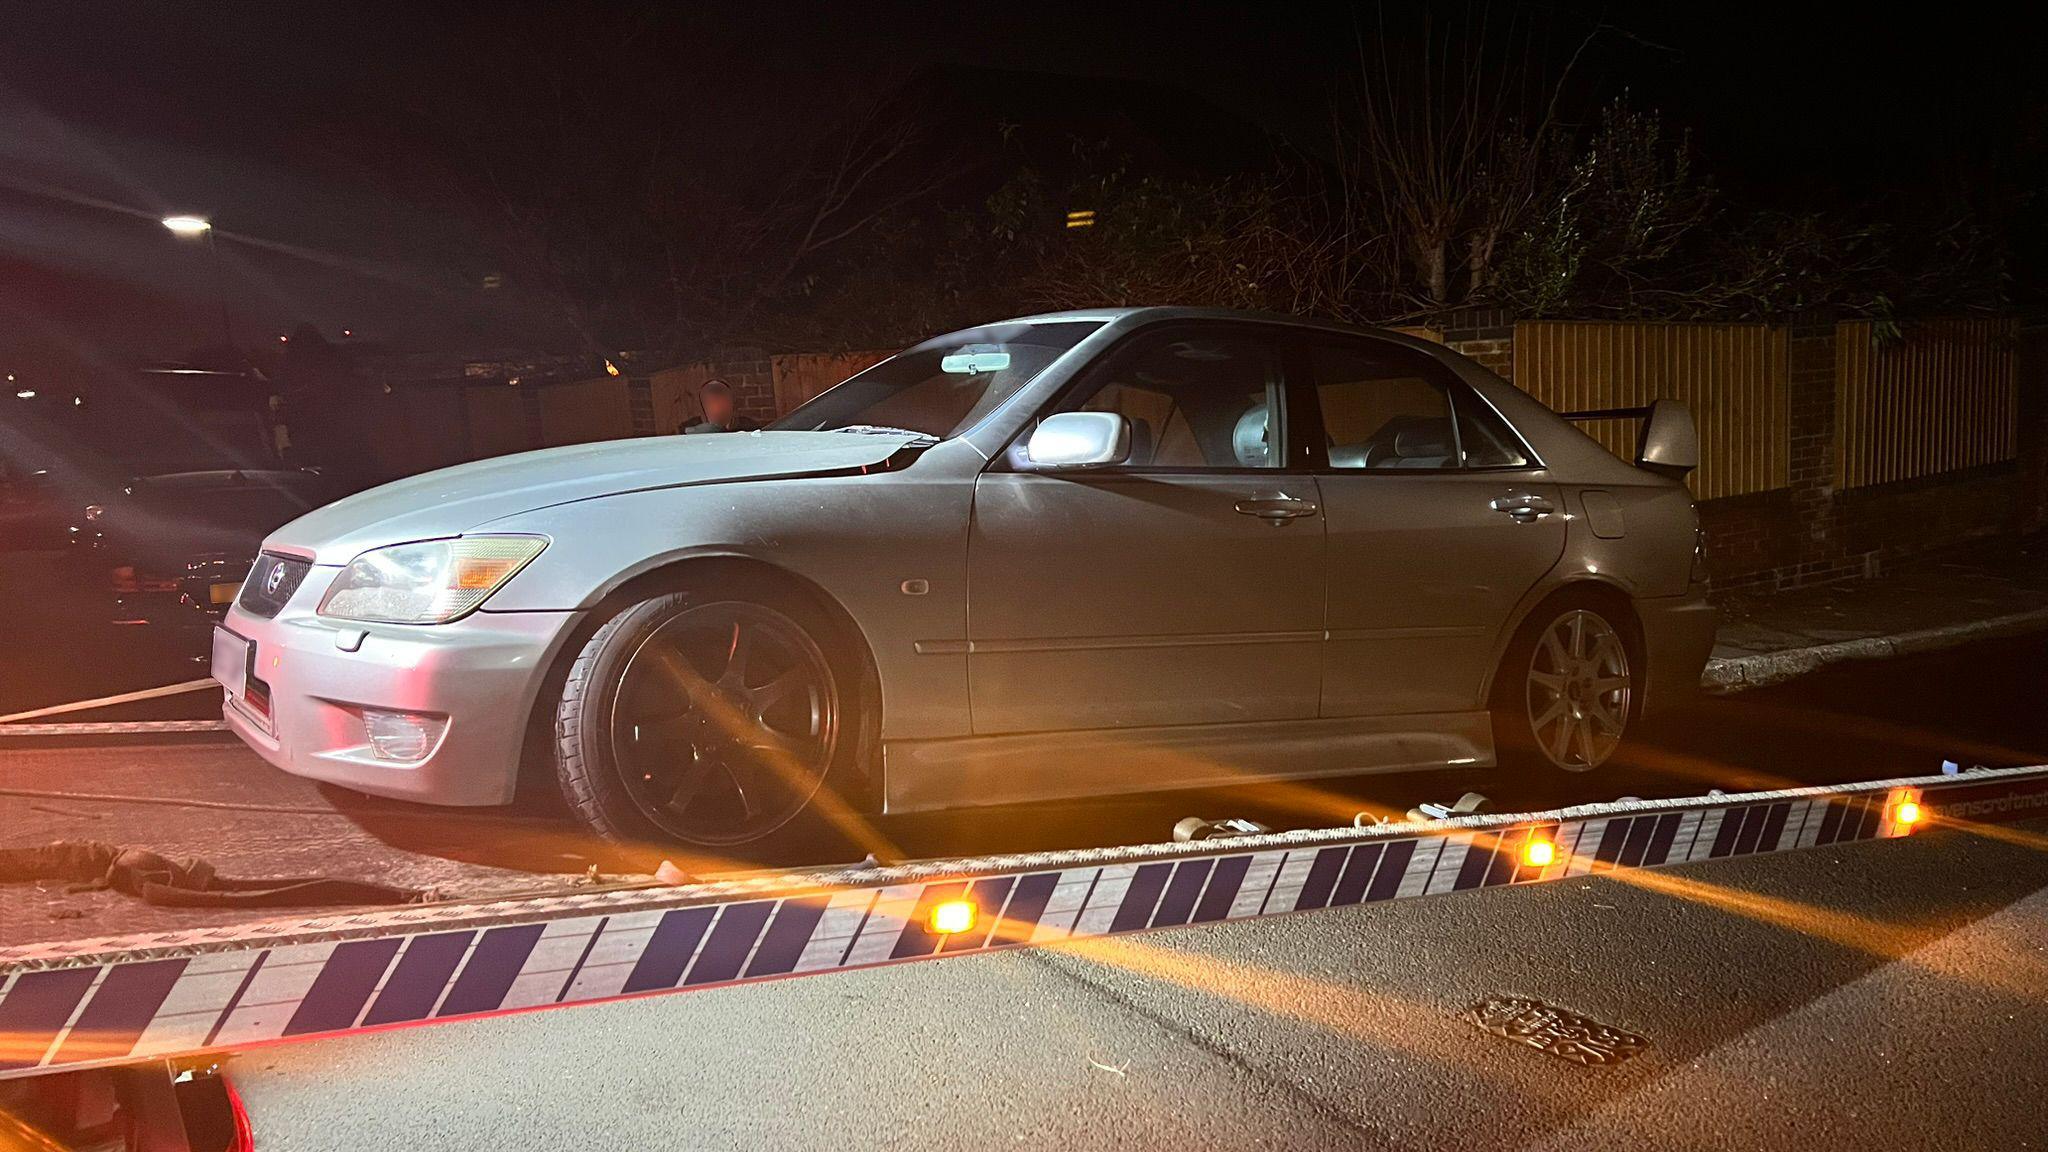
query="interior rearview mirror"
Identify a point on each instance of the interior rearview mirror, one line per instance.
(1080, 440)
(1670, 444)
(975, 359)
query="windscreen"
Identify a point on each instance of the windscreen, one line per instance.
(944, 386)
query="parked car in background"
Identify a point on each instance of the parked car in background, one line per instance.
(172, 549)
(1062, 556)
(164, 484)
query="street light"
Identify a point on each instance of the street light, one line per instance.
(191, 227)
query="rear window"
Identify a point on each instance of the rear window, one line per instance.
(1487, 439)
(1384, 407)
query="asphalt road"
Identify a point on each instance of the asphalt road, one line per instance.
(1882, 995)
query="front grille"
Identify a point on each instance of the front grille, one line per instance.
(271, 583)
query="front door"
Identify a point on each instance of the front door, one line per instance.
(1439, 521)
(1183, 587)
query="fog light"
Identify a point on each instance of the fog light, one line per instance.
(952, 917)
(1906, 814)
(403, 736)
(1539, 853)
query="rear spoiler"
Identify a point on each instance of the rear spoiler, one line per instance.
(1609, 414)
(1667, 442)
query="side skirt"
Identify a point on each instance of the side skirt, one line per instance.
(924, 775)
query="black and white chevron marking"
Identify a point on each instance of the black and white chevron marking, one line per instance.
(232, 995)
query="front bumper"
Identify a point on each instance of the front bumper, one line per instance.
(1678, 633)
(482, 674)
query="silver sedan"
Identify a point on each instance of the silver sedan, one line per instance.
(1062, 556)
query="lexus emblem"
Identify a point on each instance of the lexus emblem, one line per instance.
(274, 581)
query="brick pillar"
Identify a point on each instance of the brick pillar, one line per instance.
(1810, 391)
(752, 379)
(640, 404)
(1486, 335)
(2031, 378)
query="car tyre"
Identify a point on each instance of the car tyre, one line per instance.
(708, 718)
(1569, 687)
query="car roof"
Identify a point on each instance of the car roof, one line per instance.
(1146, 314)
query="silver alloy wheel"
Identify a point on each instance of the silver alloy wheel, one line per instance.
(725, 723)
(1578, 691)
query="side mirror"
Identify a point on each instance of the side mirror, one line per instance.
(1670, 444)
(1080, 440)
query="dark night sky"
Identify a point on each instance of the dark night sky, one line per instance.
(260, 116)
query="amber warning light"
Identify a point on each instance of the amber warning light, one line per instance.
(952, 917)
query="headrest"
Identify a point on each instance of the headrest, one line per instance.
(1425, 437)
(1248, 440)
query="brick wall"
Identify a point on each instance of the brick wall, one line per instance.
(1893, 521)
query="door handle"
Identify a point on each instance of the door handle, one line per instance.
(1276, 510)
(1523, 507)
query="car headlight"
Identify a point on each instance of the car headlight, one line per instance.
(431, 582)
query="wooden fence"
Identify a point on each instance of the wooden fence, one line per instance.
(1944, 397)
(803, 375)
(1732, 376)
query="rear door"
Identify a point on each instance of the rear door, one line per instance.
(1183, 587)
(1439, 520)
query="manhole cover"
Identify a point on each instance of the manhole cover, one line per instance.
(1564, 1034)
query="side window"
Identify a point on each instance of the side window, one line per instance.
(1193, 401)
(1488, 441)
(1384, 407)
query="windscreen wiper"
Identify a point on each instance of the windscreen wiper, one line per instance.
(886, 430)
